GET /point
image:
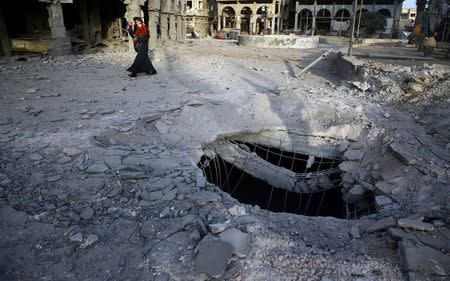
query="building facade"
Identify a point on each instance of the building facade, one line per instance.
(61, 24)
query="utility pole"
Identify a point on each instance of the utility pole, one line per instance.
(350, 42)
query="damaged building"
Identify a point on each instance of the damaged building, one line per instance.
(62, 26)
(324, 17)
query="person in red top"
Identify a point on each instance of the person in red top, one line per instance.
(140, 35)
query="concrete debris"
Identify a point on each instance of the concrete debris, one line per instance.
(212, 257)
(239, 240)
(381, 225)
(219, 227)
(414, 224)
(115, 171)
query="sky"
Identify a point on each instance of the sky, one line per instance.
(409, 4)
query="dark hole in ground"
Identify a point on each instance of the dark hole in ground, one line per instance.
(253, 191)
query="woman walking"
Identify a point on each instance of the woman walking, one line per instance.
(140, 34)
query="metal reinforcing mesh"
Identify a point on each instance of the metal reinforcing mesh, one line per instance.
(317, 180)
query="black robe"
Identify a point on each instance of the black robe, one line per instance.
(142, 62)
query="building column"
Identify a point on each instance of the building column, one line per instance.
(313, 28)
(152, 24)
(223, 22)
(132, 10)
(4, 38)
(333, 11)
(296, 21)
(60, 44)
(219, 21)
(179, 24)
(164, 21)
(272, 28)
(183, 21)
(173, 19)
(84, 21)
(95, 25)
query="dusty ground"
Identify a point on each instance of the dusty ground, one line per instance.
(98, 171)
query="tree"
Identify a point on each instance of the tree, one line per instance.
(420, 4)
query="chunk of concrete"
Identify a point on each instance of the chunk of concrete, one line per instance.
(354, 231)
(97, 168)
(239, 240)
(426, 261)
(219, 227)
(348, 166)
(414, 224)
(381, 225)
(203, 198)
(353, 155)
(212, 258)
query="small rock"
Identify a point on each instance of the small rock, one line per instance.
(133, 175)
(200, 180)
(203, 198)
(237, 211)
(114, 192)
(64, 160)
(112, 161)
(219, 227)
(348, 166)
(212, 258)
(164, 212)
(154, 196)
(87, 213)
(354, 231)
(92, 238)
(97, 168)
(31, 90)
(36, 157)
(54, 178)
(414, 224)
(77, 237)
(382, 225)
(169, 196)
(239, 240)
(353, 155)
(72, 151)
(381, 201)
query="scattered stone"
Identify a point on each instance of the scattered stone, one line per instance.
(97, 168)
(72, 151)
(239, 240)
(54, 178)
(36, 157)
(87, 213)
(212, 258)
(219, 227)
(354, 231)
(353, 155)
(114, 192)
(164, 212)
(382, 200)
(361, 86)
(169, 196)
(414, 224)
(133, 175)
(77, 237)
(237, 211)
(355, 193)
(200, 180)
(381, 225)
(92, 238)
(424, 260)
(31, 90)
(348, 166)
(112, 161)
(155, 195)
(436, 223)
(247, 219)
(64, 160)
(203, 198)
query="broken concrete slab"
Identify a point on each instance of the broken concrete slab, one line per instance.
(239, 240)
(203, 198)
(424, 260)
(414, 224)
(381, 225)
(212, 258)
